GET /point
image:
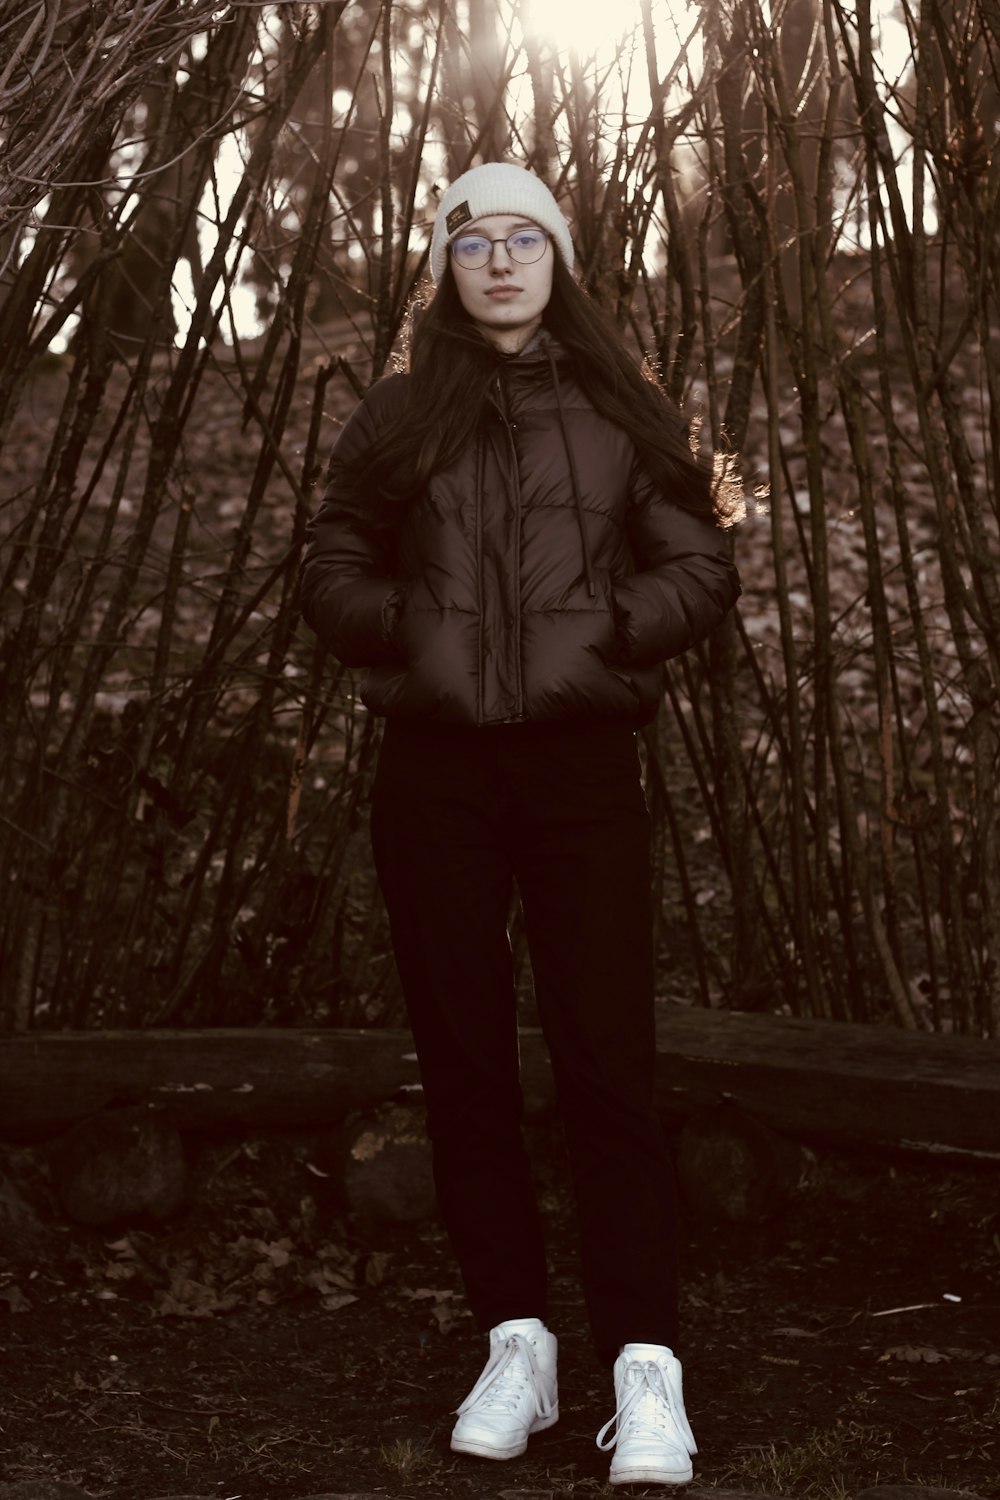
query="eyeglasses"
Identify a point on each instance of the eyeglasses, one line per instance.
(524, 246)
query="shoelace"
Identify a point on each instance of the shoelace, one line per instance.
(651, 1402)
(502, 1384)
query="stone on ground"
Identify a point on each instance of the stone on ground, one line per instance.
(732, 1166)
(119, 1165)
(913, 1492)
(683, 1494)
(24, 1200)
(385, 1165)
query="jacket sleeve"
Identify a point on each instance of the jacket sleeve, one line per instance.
(346, 589)
(684, 583)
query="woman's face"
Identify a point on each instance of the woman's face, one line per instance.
(504, 298)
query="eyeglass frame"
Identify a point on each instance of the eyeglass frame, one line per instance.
(505, 241)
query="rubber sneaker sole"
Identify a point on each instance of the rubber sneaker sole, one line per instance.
(650, 1473)
(481, 1448)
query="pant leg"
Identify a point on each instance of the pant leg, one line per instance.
(583, 869)
(439, 838)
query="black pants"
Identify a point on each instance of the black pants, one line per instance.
(457, 816)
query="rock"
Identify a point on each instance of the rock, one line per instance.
(384, 1165)
(120, 1164)
(17, 1219)
(732, 1166)
(536, 1495)
(688, 1494)
(531, 1494)
(728, 1495)
(275, 1167)
(13, 1298)
(22, 1231)
(913, 1492)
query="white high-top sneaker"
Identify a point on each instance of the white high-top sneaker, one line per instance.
(653, 1441)
(515, 1395)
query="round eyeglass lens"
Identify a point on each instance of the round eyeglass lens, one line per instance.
(524, 246)
(472, 251)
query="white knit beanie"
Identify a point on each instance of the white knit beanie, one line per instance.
(498, 187)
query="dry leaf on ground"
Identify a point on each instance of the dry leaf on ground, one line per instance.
(914, 1354)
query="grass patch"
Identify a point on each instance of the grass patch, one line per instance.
(407, 1459)
(815, 1468)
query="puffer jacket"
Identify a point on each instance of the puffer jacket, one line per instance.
(542, 576)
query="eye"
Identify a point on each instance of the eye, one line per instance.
(526, 239)
(472, 244)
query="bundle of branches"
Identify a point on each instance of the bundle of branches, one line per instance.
(215, 217)
(70, 73)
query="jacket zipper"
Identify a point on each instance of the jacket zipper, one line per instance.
(480, 462)
(516, 550)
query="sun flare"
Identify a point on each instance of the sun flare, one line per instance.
(611, 36)
(587, 27)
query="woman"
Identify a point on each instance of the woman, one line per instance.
(516, 536)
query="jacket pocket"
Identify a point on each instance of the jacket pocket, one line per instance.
(611, 648)
(393, 607)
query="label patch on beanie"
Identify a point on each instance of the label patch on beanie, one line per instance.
(460, 214)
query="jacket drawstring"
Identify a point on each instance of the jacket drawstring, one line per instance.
(588, 567)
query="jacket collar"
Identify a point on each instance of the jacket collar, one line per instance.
(537, 350)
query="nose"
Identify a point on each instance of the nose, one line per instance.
(501, 263)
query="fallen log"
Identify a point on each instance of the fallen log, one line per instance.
(209, 1079)
(826, 1082)
(834, 1083)
(215, 1079)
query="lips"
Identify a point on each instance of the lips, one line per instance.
(504, 293)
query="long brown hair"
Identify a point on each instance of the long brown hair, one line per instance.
(452, 366)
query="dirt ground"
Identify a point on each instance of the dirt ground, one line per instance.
(263, 1345)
